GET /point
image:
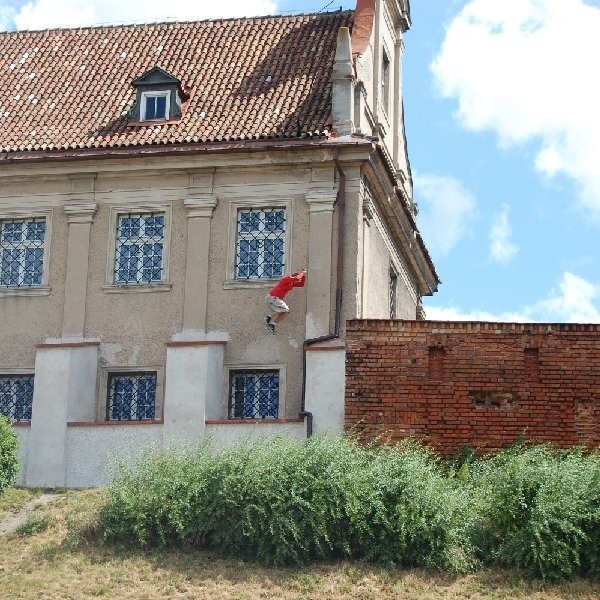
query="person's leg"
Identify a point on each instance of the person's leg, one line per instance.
(279, 316)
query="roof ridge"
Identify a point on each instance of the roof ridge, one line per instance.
(124, 25)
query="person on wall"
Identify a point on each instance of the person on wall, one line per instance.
(276, 295)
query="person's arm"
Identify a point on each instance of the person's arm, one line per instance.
(299, 278)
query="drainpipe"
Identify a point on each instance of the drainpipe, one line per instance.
(341, 206)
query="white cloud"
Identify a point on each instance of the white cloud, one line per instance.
(43, 14)
(447, 210)
(524, 69)
(575, 301)
(501, 247)
(439, 313)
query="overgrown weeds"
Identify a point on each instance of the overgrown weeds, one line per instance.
(285, 503)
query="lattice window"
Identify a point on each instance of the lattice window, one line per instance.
(254, 394)
(260, 247)
(140, 248)
(22, 252)
(16, 396)
(131, 396)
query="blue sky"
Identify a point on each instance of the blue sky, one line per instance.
(503, 134)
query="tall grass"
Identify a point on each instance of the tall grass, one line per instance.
(284, 502)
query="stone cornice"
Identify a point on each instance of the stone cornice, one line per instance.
(80, 212)
(201, 205)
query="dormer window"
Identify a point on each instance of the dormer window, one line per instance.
(155, 106)
(160, 97)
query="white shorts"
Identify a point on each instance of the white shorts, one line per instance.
(276, 304)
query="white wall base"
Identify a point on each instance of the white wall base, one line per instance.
(325, 387)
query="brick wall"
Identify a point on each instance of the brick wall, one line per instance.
(483, 384)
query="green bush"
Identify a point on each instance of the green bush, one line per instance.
(288, 503)
(9, 460)
(540, 511)
(283, 502)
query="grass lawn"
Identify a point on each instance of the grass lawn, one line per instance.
(54, 556)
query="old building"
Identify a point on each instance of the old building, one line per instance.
(155, 181)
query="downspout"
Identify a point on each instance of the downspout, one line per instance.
(339, 279)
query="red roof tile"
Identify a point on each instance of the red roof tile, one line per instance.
(266, 77)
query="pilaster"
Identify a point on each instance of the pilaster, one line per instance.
(319, 283)
(65, 390)
(325, 386)
(80, 211)
(342, 100)
(193, 388)
(200, 209)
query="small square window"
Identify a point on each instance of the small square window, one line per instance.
(260, 243)
(155, 106)
(254, 394)
(16, 397)
(131, 396)
(22, 252)
(139, 248)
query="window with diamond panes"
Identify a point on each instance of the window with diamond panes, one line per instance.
(254, 394)
(16, 397)
(131, 396)
(140, 248)
(260, 248)
(22, 252)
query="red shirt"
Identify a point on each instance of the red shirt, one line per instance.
(286, 284)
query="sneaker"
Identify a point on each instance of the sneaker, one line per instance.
(270, 324)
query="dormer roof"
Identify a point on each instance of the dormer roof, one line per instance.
(247, 79)
(156, 76)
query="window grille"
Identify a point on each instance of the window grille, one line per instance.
(254, 394)
(16, 396)
(22, 252)
(139, 248)
(131, 396)
(260, 249)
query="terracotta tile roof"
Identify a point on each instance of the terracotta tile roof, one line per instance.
(266, 77)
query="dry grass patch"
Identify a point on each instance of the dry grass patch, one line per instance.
(65, 561)
(14, 499)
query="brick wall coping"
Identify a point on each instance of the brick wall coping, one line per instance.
(451, 326)
(112, 423)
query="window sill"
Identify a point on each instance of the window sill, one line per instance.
(231, 284)
(21, 423)
(130, 288)
(118, 423)
(252, 421)
(39, 290)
